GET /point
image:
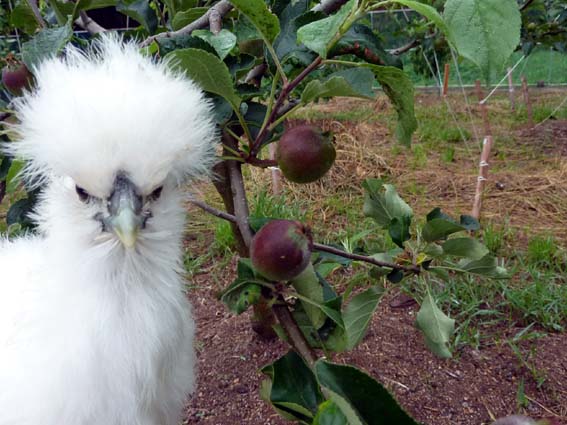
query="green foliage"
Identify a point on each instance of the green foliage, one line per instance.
(319, 35)
(436, 327)
(481, 35)
(46, 43)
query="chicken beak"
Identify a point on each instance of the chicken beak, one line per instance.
(125, 207)
(126, 226)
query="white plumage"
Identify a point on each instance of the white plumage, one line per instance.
(94, 325)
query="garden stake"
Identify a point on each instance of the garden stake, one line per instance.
(446, 80)
(276, 173)
(527, 100)
(482, 176)
(511, 90)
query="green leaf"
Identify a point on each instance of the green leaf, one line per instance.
(437, 328)
(383, 206)
(486, 266)
(329, 414)
(307, 284)
(361, 41)
(361, 399)
(437, 213)
(318, 35)
(294, 15)
(62, 10)
(469, 223)
(48, 42)
(208, 71)
(181, 19)
(223, 42)
(19, 210)
(484, 31)
(141, 11)
(354, 82)
(358, 313)
(13, 176)
(294, 387)
(91, 4)
(430, 13)
(465, 247)
(5, 165)
(399, 89)
(257, 12)
(439, 228)
(399, 230)
(22, 17)
(236, 295)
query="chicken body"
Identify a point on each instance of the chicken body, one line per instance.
(95, 327)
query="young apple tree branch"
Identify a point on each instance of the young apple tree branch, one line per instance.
(217, 12)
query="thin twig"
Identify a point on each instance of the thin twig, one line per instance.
(402, 49)
(317, 246)
(286, 90)
(328, 6)
(222, 7)
(366, 259)
(212, 210)
(37, 13)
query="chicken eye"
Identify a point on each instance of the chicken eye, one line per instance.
(83, 194)
(154, 196)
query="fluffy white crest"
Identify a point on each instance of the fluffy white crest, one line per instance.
(112, 109)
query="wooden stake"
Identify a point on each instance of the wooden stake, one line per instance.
(528, 102)
(446, 80)
(511, 90)
(484, 112)
(482, 176)
(276, 174)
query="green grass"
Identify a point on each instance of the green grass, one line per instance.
(540, 65)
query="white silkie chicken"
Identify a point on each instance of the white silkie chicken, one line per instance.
(94, 325)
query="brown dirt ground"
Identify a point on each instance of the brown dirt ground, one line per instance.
(471, 389)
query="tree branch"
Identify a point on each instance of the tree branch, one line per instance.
(402, 49)
(316, 246)
(36, 13)
(89, 24)
(215, 21)
(366, 259)
(222, 8)
(294, 335)
(286, 90)
(328, 6)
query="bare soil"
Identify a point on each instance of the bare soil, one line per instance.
(470, 389)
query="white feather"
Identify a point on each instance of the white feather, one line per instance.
(91, 332)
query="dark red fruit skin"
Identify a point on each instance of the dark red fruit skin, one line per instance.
(16, 78)
(281, 250)
(305, 153)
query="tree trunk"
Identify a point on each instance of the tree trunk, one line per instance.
(263, 319)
